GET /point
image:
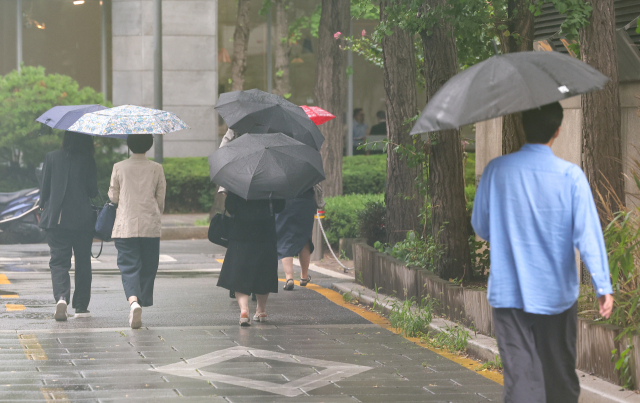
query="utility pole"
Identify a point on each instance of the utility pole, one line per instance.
(103, 48)
(350, 96)
(157, 73)
(19, 34)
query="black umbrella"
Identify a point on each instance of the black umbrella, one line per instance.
(507, 84)
(63, 117)
(256, 111)
(266, 165)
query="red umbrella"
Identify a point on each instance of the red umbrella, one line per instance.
(317, 115)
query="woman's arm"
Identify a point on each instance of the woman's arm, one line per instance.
(114, 186)
(161, 191)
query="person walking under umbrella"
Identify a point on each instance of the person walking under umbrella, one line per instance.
(69, 182)
(535, 209)
(138, 187)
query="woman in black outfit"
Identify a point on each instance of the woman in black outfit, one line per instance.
(251, 262)
(70, 181)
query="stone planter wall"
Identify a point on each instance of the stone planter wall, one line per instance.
(470, 307)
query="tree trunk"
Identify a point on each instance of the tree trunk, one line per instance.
(601, 131)
(402, 199)
(240, 45)
(520, 21)
(331, 89)
(449, 221)
(282, 49)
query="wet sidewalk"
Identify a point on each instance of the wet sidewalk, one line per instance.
(315, 348)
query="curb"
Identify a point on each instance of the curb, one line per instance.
(183, 233)
(593, 389)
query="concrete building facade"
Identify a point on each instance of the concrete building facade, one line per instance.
(190, 66)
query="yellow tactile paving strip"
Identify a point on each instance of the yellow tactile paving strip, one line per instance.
(32, 348)
(381, 321)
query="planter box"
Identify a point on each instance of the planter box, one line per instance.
(470, 307)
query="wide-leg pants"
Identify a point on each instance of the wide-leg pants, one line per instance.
(538, 355)
(64, 243)
(138, 263)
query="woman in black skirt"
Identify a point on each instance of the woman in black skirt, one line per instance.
(294, 227)
(251, 262)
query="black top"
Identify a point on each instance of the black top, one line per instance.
(254, 220)
(378, 129)
(70, 180)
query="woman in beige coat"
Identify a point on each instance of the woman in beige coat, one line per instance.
(138, 187)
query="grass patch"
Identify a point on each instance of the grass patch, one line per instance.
(495, 365)
(453, 339)
(412, 319)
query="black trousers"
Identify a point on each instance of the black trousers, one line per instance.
(138, 263)
(538, 355)
(63, 243)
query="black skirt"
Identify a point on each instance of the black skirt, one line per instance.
(250, 267)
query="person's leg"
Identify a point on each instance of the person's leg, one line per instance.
(305, 259)
(150, 258)
(82, 242)
(287, 264)
(262, 303)
(130, 265)
(523, 377)
(61, 248)
(556, 345)
(243, 303)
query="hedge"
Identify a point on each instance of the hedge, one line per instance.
(364, 174)
(189, 188)
(341, 215)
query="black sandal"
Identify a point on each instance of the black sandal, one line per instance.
(304, 282)
(288, 286)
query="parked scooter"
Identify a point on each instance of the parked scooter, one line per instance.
(20, 215)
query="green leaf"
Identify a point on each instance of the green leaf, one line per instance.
(287, 95)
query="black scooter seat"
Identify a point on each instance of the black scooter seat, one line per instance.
(9, 197)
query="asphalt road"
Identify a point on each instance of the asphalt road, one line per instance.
(191, 348)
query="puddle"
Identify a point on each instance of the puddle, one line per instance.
(12, 267)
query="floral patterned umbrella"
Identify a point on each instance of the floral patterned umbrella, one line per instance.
(128, 119)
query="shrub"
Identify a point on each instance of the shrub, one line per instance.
(341, 215)
(189, 188)
(26, 95)
(414, 250)
(371, 222)
(364, 174)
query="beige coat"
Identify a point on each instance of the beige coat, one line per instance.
(138, 187)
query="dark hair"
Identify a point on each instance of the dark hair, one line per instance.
(540, 124)
(78, 143)
(140, 143)
(356, 111)
(381, 115)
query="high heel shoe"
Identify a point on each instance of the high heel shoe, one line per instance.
(244, 319)
(305, 281)
(260, 317)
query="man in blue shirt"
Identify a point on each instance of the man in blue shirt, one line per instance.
(535, 209)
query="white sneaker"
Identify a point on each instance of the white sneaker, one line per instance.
(135, 316)
(61, 310)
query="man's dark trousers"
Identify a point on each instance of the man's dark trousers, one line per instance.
(138, 263)
(63, 243)
(538, 355)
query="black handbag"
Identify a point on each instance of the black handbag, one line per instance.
(104, 223)
(220, 228)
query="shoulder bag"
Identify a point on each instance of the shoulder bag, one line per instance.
(220, 228)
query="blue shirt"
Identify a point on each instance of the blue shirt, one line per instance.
(535, 209)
